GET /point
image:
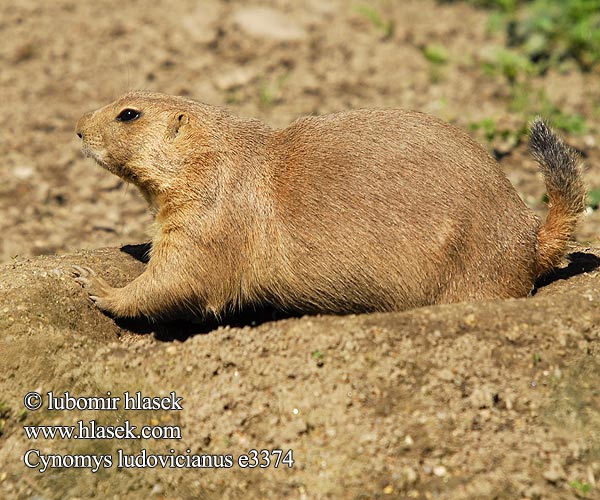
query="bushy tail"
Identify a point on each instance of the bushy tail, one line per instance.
(561, 167)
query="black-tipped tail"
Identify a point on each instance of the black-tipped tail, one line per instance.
(561, 167)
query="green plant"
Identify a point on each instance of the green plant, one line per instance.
(593, 198)
(492, 132)
(502, 5)
(266, 95)
(386, 26)
(487, 126)
(583, 488)
(435, 54)
(319, 357)
(573, 123)
(529, 103)
(233, 97)
(270, 94)
(532, 103)
(555, 30)
(4, 414)
(548, 32)
(532, 27)
(509, 63)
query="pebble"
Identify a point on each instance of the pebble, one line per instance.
(481, 397)
(440, 471)
(269, 23)
(554, 473)
(157, 489)
(409, 476)
(470, 319)
(589, 141)
(238, 77)
(23, 172)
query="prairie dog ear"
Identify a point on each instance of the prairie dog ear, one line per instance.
(177, 125)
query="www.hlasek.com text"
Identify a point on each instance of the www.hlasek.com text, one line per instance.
(93, 430)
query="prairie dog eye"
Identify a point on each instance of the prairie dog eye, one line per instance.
(128, 115)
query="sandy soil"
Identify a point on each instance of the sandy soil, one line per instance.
(468, 401)
(493, 400)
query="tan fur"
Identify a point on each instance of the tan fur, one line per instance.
(367, 210)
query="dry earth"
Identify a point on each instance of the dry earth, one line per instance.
(483, 400)
(474, 401)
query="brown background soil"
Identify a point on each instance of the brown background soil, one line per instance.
(494, 400)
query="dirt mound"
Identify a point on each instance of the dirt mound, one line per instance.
(480, 400)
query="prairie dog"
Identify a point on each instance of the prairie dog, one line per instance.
(366, 210)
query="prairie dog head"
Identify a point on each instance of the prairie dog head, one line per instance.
(144, 138)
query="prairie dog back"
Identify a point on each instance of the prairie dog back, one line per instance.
(402, 199)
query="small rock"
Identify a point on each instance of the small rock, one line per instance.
(235, 78)
(470, 319)
(23, 172)
(408, 476)
(589, 141)
(267, 23)
(367, 438)
(481, 397)
(440, 471)
(554, 473)
(515, 333)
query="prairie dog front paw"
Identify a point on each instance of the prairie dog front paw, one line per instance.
(97, 289)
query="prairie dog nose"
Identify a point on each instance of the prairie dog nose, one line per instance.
(79, 128)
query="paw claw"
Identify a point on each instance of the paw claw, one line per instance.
(83, 271)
